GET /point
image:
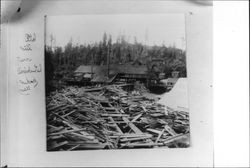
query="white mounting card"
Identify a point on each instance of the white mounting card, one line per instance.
(27, 137)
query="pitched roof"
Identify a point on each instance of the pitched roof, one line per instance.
(172, 80)
(129, 69)
(113, 69)
(84, 69)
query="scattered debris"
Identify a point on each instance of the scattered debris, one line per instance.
(109, 117)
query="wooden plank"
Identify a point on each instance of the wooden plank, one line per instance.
(54, 129)
(170, 130)
(159, 136)
(85, 137)
(93, 89)
(109, 108)
(117, 127)
(66, 131)
(123, 122)
(175, 138)
(55, 145)
(114, 115)
(136, 117)
(132, 126)
(69, 113)
(144, 109)
(157, 114)
(95, 141)
(127, 135)
(69, 100)
(72, 148)
(154, 131)
(91, 146)
(75, 128)
(134, 139)
(150, 144)
(55, 137)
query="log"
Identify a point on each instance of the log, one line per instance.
(66, 131)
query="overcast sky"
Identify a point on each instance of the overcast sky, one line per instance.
(150, 29)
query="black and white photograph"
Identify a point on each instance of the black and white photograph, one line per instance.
(127, 83)
(116, 82)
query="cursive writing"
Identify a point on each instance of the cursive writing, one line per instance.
(24, 90)
(29, 69)
(29, 82)
(26, 47)
(30, 37)
(24, 59)
(26, 69)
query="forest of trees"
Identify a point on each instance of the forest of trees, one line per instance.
(64, 60)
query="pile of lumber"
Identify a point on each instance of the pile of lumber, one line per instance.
(109, 117)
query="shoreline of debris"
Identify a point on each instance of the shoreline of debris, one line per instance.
(109, 117)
